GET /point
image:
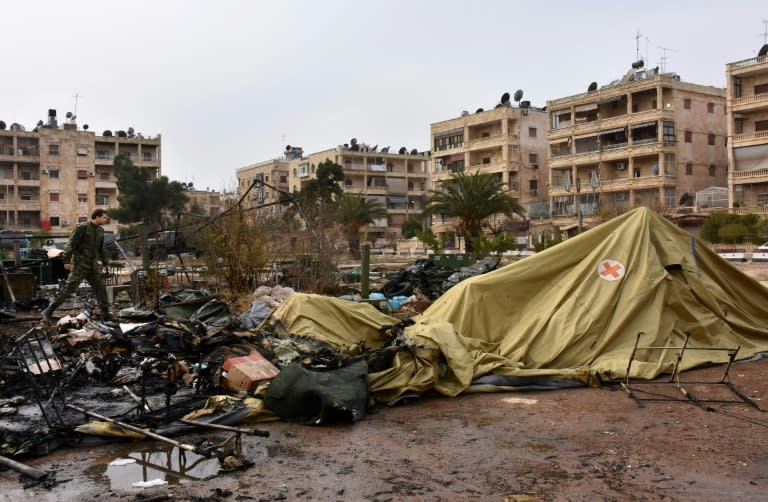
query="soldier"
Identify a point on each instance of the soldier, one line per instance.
(81, 257)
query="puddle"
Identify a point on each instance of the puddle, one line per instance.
(164, 463)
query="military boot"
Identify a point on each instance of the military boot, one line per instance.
(106, 315)
(48, 312)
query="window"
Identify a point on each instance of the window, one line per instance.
(669, 131)
(761, 125)
(712, 170)
(711, 139)
(25, 196)
(710, 108)
(102, 155)
(687, 103)
(55, 222)
(738, 126)
(688, 136)
(736, 87)
(53, 196)
(82, 198)
(82, 150)
(53, 173)
(82, 174)
(283, 178)
(53, 149)
(531, 132)
(761, 89)
(635, 108)
(534, 186)
(82, 219)
(653, 104)
(486, 160)
(146, 156)
(689, 168)
(533, 158)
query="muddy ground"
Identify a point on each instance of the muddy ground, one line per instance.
(575, 444)
(571, 445)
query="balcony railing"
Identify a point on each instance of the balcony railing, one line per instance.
(753, 175)
(748, 62)
(751, 136)
(746, 100)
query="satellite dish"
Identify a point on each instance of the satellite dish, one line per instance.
(403, 150)
(374, 147)
(763, 51)
(85, 127)
(287, 148)
(638, 64)
(479, 110)
(353, 141)
(121, 134)
(40, 123)
(17, 127)
(464, 113)
(69, 115)
(518, 95)
(385, 149)
(414, 152)
(505, 98)
(2, 125)
(107, 133)
(130, 131)
(592, 87)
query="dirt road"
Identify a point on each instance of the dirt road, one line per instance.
(577, 444)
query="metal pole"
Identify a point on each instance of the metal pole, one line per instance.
(365, 270)
(580, 218)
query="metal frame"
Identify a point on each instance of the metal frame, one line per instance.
(633, 390)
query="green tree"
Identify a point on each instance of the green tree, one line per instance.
(410, 226)
(732, 228)
(316, 206)
(472, 198)
(145, 198)
(353, 212)
(429, 238)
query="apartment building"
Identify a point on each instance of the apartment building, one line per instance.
(259, 185)
(204, 202)
(509, 141)
(646, 139)
(53, 177)
(398, 180)
(747, 98)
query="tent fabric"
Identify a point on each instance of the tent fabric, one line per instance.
(555, 311)
(570, 313)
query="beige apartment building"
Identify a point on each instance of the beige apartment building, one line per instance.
(53, 177)
(648, 139)
(747, 99)
(509, 141)
(397, 179)
(259, 185)
(204, 202)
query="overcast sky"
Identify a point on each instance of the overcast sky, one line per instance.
(230, 83)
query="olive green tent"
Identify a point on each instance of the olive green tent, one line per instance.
(569, 314)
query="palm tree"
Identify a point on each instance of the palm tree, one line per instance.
(353, 212)
(472, 198)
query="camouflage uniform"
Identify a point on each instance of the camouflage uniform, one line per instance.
(84, 249)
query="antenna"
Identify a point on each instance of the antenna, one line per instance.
(637, 45)
(76, 96)
(663, 59)
(765, 31)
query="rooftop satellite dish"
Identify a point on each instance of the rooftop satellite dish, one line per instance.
(121, 134)
(403, 150)
(287, 148)
(130, 131)
(505, 98)
(374, 147)
(69, 115)
(2, 125)
(479, 110)
(385, 149)
(353, 141)
(638, 64)
(40, 123)
(518, 95)
(763, 51)
(683, 199)
(85, 127)
(107, 133)
(592, 87)
(414, 152)
(17, 127)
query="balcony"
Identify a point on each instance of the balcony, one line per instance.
(753, 176)
(105, 181)
(749, 102)
(28, 205)
(632, 183)
(750, 136)
(747, 64)
(490, 141)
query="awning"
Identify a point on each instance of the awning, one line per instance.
(558, 141)
(451, 132)
(592, 135)
(397, 199)
(645, 124)
(611, 131)
(586, 108)
(610, 100)
(748, 158)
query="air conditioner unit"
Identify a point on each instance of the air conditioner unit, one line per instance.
(64, 223)
(45, 171)
(91, 174)
(620, 166)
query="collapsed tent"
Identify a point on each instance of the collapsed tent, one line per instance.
(570, 314)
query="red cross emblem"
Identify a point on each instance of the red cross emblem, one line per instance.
(610, 270)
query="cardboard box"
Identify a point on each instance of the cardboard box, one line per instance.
(244, 373)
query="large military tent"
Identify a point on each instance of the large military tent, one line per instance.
(572, 313)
